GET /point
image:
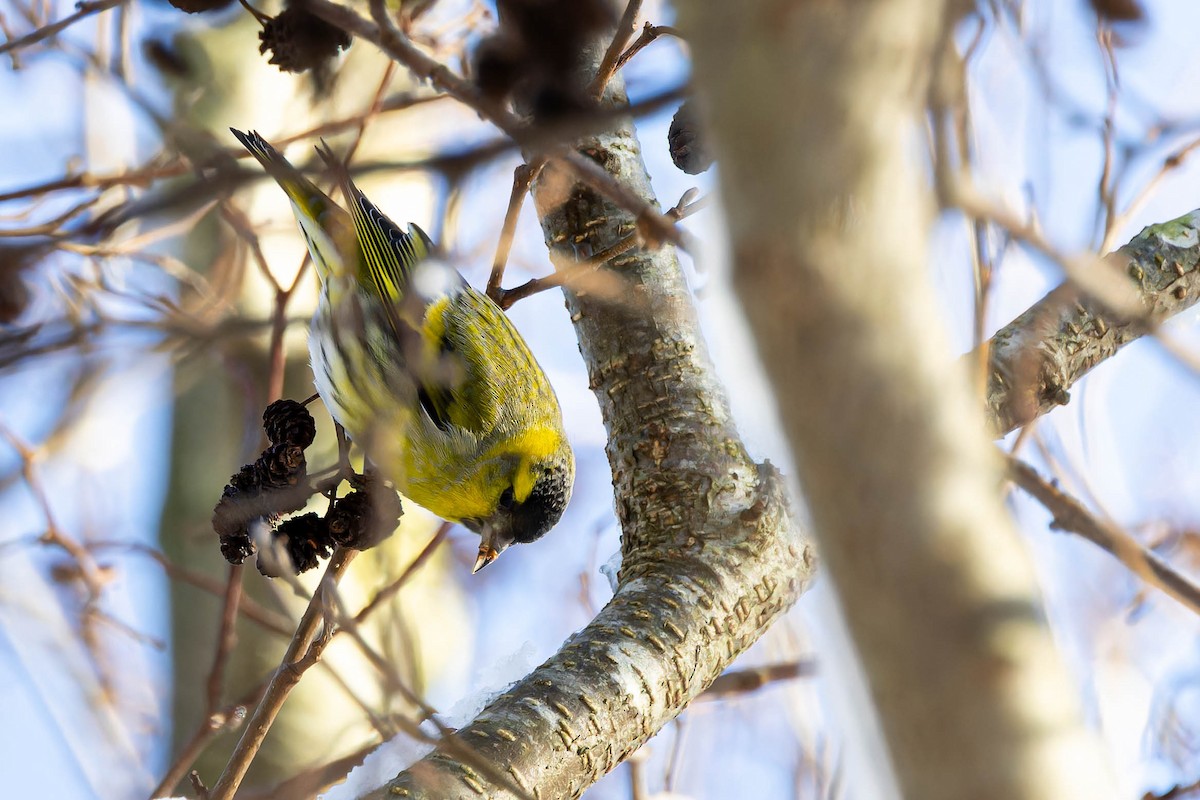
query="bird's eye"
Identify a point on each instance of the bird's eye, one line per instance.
(506, 498)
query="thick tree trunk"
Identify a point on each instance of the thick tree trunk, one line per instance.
(815, 112)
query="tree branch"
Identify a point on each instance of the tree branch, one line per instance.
(1071, 515)
(1036, 358)
(302, 653)
(388, 38)
(608, 64)
(711, 553)
(84, 10)
(814, 111)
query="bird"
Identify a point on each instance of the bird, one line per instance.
(425, 373)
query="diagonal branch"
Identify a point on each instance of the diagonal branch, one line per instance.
(302, 652)
(86, 9)
(608, 64)
(1071, 515)
(392, 41)
(1034, 360)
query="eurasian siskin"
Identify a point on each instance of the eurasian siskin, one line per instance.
(425, 373)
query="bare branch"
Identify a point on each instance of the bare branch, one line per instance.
(609, 63)
(708, 540)
(523, 177)
(1070, 515)
(226, 639)
(85, 9)
(1035, 359)
(573, 275)
(301, 654)
(744, 681)
(648, 35)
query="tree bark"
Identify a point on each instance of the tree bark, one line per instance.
(711, 553)
(1036, 358)
(814, 110)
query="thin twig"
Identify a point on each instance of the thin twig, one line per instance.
(649, 34)
(248, 608)
(384, 730)
(395, 586)
(87, 180)
(743, 681)
(226, 639)
(51, 226)
(227, 718)
(88, 570)
(609, 64)
(1070, 515)
(296, 660)
(245, 230)
(567, 275)
(1170, 163)
(373, 111)
(523, 177)
(313, 781)
(1107, 187)
(1091, 273)
(259, 16)
(85, 10)
(277, 352)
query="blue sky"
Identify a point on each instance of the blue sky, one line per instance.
(1038, 95)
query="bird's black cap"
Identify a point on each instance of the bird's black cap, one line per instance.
(541, 511)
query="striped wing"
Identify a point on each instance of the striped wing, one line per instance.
(389, 255)
(497, 374)
(477, 366)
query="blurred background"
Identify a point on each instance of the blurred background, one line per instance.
(136, 360)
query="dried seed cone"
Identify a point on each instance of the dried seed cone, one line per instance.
(299, 41)
(686, 141)
(199, 6)
(237, 547)
(280, 466)
(350, 519)
(248, 496)
(288, 422)
(366, 516)
(305, 539)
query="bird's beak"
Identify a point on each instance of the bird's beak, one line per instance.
(487, 554)
(494, 540)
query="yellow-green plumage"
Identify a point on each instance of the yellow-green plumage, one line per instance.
(425, 373)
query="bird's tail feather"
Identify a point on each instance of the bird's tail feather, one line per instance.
(300, 189)
(389, 253)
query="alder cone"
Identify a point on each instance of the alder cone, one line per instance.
(200, 6)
